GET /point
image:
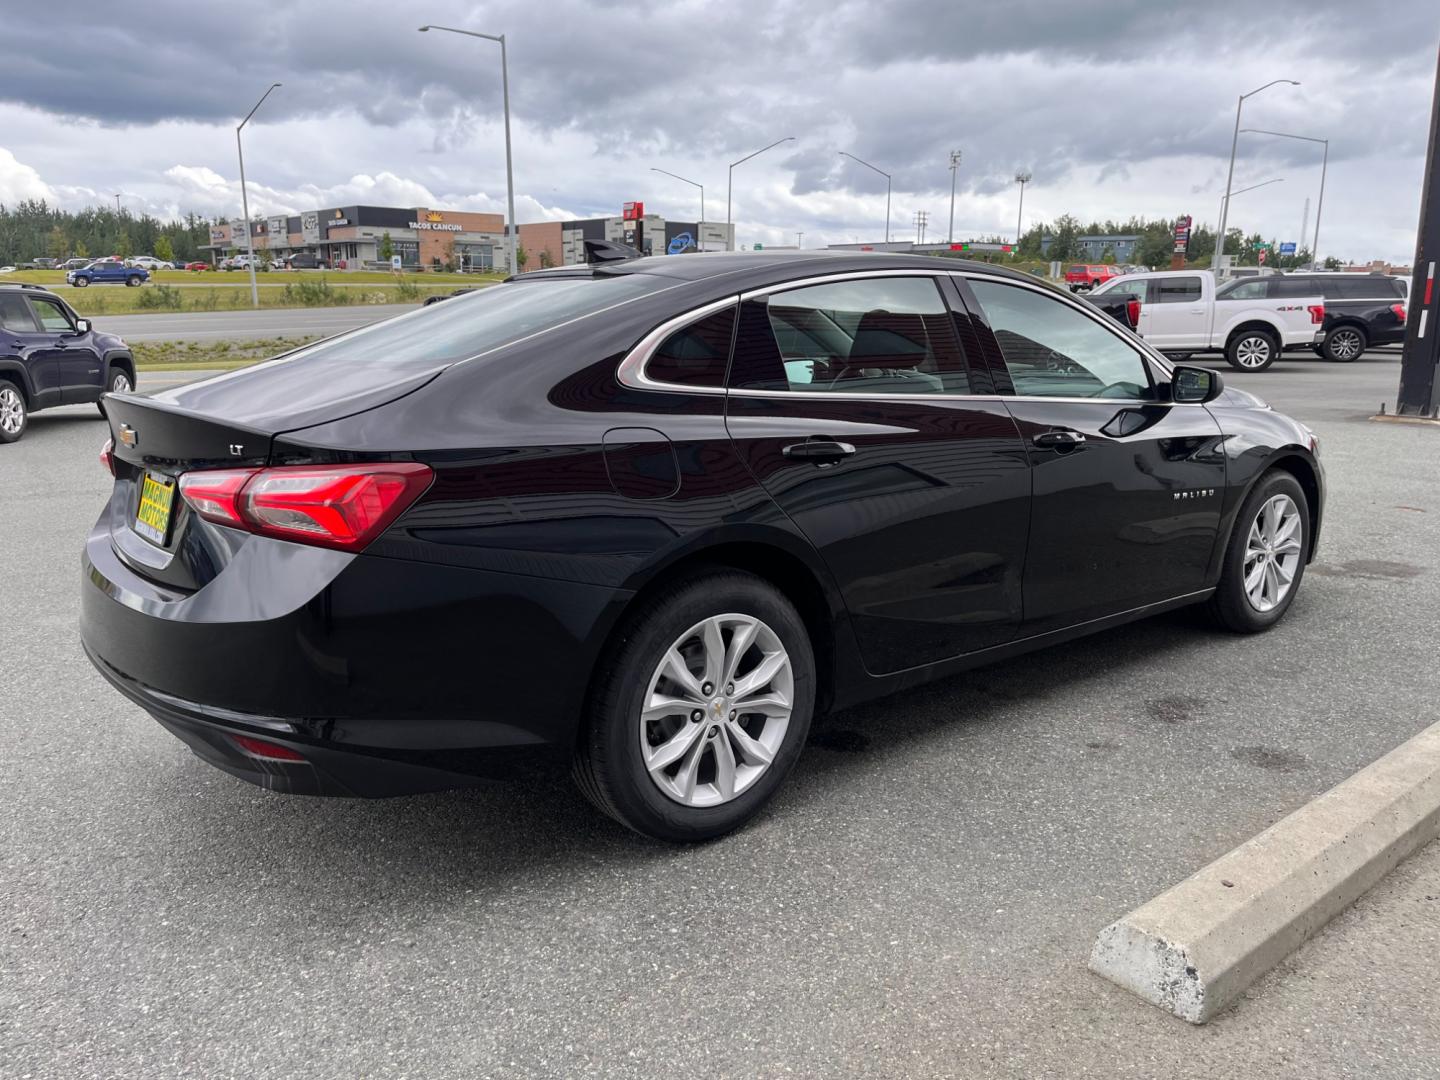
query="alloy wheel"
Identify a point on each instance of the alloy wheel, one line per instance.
(716, 710)
(12, 410)
(1272, 553)
(1252, 351)
(120, 383)
(1345, 345)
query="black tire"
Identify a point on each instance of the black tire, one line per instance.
(14, 413)
(133, 281)
(117, 375)
(1179, 357)
(1230, 607)
(81, 283)
(1344, 344)
(1252, 350)
(609, 768)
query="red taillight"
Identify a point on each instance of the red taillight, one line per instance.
(262, 749)
(338, 506)
(1399, 310)
(107, 456)
(1317, 313)
(1132, 310)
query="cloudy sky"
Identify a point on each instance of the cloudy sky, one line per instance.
(1117, 108)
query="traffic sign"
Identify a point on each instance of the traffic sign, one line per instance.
(1287, 248)
(1261, 257)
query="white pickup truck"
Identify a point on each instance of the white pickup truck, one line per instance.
(1180, 315)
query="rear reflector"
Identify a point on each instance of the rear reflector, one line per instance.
(1317, 313)
(1399, 310)
(262, 749)
(107, 456)
(337, 506)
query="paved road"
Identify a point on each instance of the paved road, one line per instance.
(245, 325)
(920, 902)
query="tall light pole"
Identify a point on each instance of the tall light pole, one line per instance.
(1324, 164)
(699, 243)
(117, 202)
(512, 229)
(1230, 176)
(730, 181)
(954, 165)
(245, 195)
(1023, 177)
(1225, 199)
(886, 175)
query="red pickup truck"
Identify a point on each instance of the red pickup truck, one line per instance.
(1088, 275)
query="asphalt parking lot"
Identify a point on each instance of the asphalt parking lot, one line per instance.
(921, 900)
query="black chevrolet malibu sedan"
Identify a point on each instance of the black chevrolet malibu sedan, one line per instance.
(650, 517)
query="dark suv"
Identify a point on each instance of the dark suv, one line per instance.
(1361, 310)
(50, 356)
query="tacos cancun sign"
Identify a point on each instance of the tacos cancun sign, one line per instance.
(434, 222)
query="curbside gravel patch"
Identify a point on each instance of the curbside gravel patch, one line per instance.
(1193, 949)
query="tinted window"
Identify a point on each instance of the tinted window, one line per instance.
(465, 326)
(1360, 287)
(1136, 288)
(1054, 350)
(52, 316)
(695, 355)
(14, 315)
(1181, 290)
(890, 335)
(1293, 288)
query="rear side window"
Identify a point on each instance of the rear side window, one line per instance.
(14, 314)
(695, 355)
(1253, 289)
(1360, 287)
(891, 335)
(1181, 290)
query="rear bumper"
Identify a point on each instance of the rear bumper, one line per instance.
(388, 675)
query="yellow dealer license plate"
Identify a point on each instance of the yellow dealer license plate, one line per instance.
(152, 520)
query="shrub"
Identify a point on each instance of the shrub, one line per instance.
(161, 298)
(209, 300)
(407, 291)
(314, 292)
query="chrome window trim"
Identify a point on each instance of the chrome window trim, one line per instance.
(631, 372)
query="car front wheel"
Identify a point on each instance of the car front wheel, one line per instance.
(133, 281)
(701, 709)
(1252, 350)
(1265, 558)
(13, 414)
(118, 383)
(81, 282)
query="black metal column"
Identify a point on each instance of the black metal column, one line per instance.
(1420, 365)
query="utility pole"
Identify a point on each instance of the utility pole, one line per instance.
(1420, 362)
(800, 240)
(954, 165)
(245, 196)
(1304, 226)
(921, 220)
(117, 202)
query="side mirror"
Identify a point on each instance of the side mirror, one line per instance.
(1195, 385)
(82, 326)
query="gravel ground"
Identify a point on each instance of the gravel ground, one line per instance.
(920, 902)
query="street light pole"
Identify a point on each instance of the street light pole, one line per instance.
(245, 196)
(692, 183)
(1225, 199)
(1324, 164)
(954, 165)
(1022, 178)
(730, 183)
(886, 175)
(1230, 177)
(512, 229)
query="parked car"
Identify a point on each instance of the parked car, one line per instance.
(40, 264)
(7, 269)
(50, 356)
(686, 504)
(437, 297)
(149, 262)
(107, 271)
(1123, 307)
(1247, 271)
(1360, 309)
(197, 265)
(242, 262)
(1089, 275)
(305, 261)
(74, 264)
(1181, 314)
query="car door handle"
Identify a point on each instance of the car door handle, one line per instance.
(819, 451)
(1059, 440)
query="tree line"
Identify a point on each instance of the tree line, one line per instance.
(1155, 245)
(33, 229)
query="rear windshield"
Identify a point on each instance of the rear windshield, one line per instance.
(1078, 269)
(466, 326)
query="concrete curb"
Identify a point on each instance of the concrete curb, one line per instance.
(1194, 949)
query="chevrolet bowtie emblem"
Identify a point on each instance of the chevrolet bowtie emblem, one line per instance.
(129, 436)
